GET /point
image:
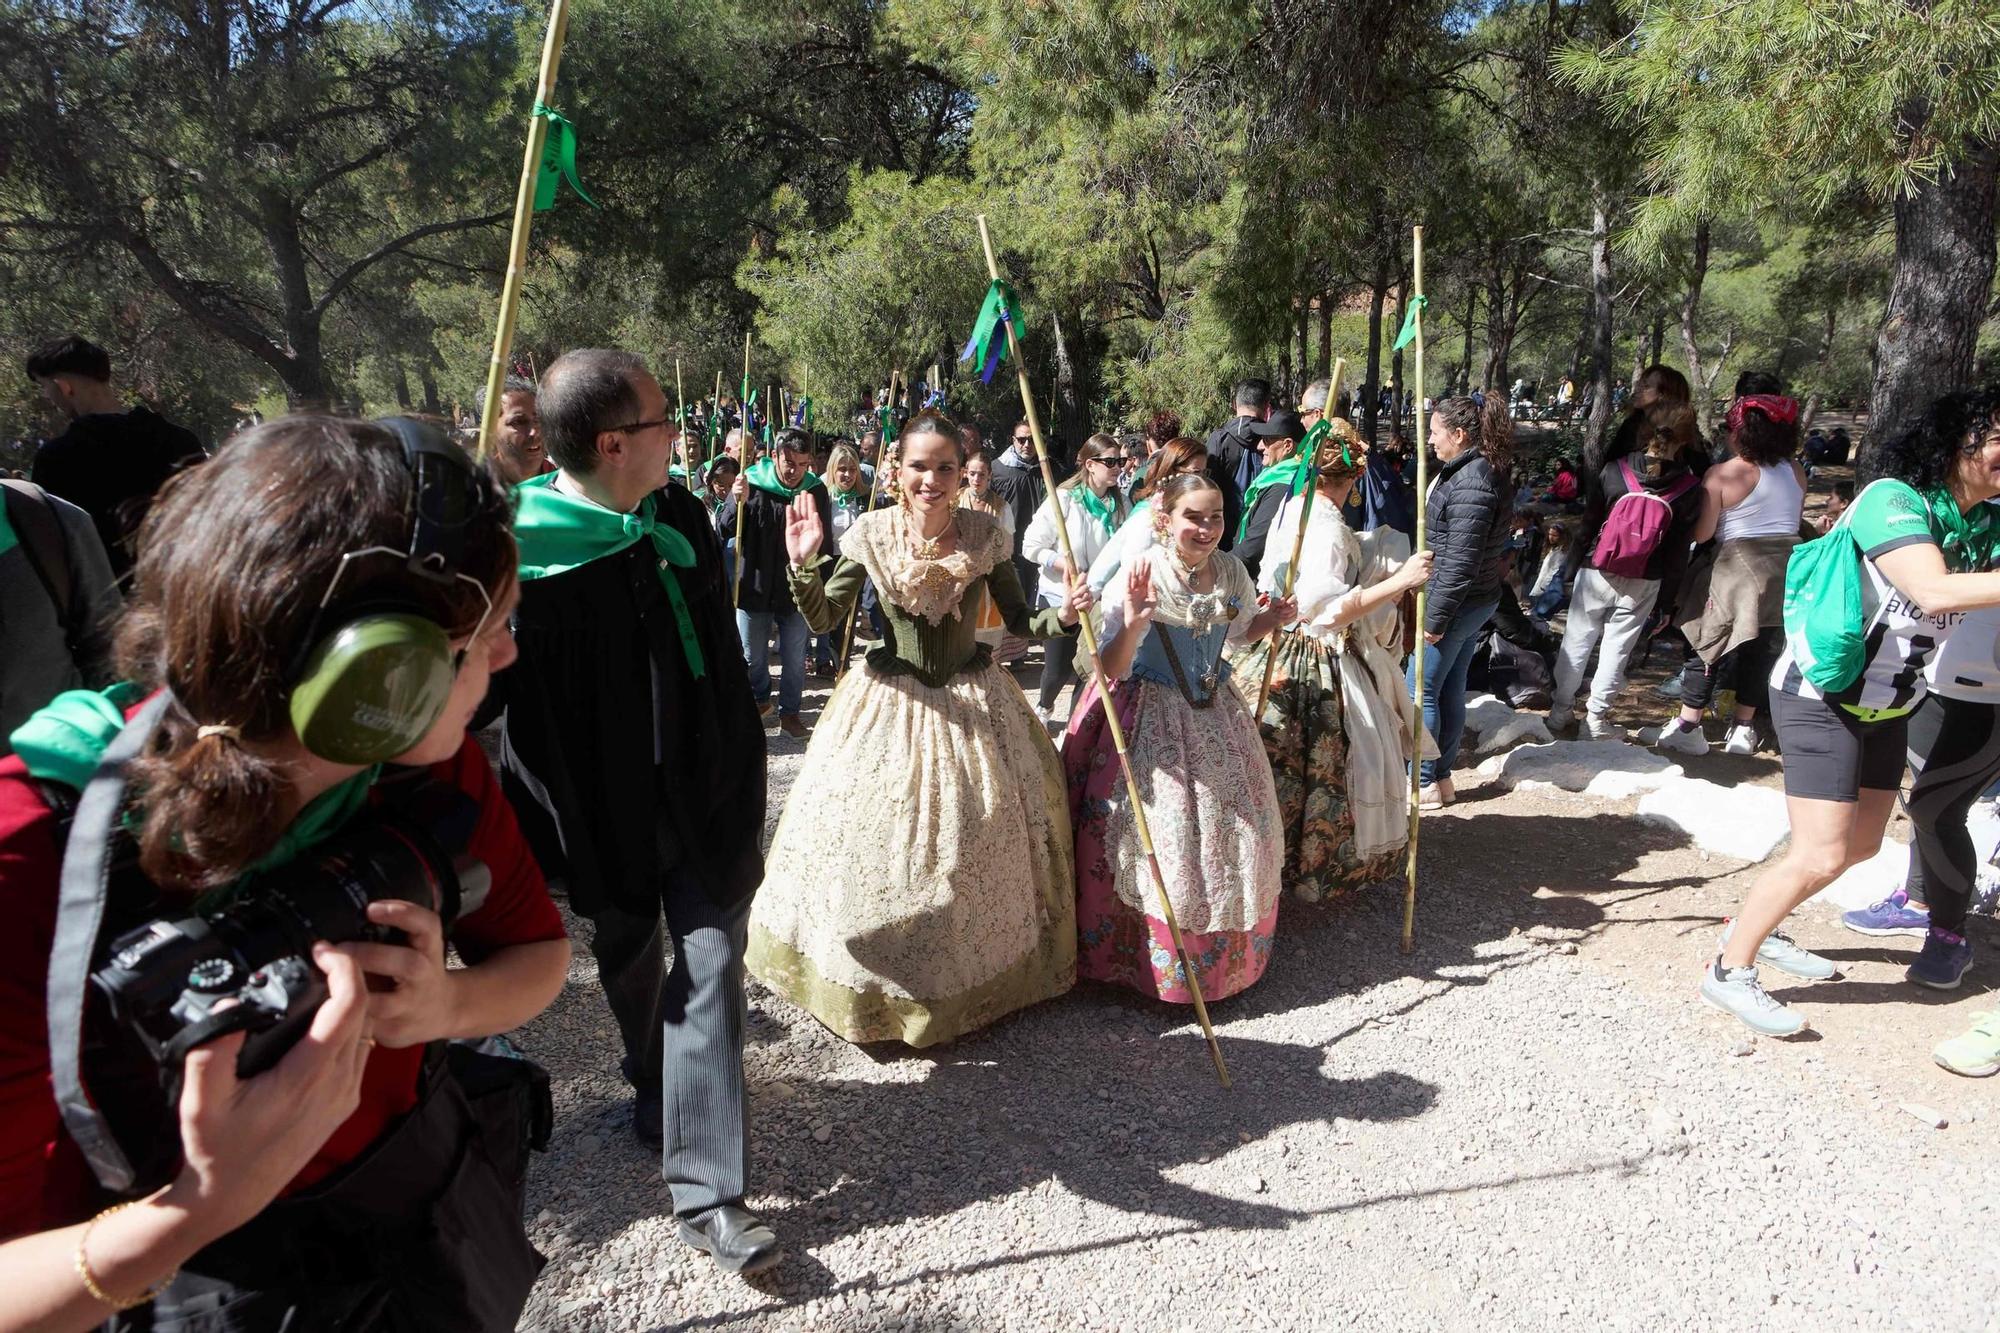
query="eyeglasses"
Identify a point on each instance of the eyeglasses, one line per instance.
(1024, 439)
(635, 427)
(1107, 460)
(432, 567)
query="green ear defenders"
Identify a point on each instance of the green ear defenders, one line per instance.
(376, 676)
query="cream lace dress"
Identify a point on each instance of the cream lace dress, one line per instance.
(920, 884)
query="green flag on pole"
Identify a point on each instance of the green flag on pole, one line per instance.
(1409, 333)
(558, 161)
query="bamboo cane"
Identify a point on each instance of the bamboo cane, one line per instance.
(874, 495)
(524, 214)
(715, 438)
(1417, 672)
(681, 418)
(1103, 687)
(743, 470)
(1298, 544)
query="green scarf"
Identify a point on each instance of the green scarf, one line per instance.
(763, 474)
(1970, 541)
(557, 533)
(1290, 474)
(1098, 507)
(65, 740)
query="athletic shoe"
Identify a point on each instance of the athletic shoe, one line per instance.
(1735, 990)
(1430, 798)
(1892, 916)
(1742, 740)
(1561, 719)
(1602, 729)
(1975, 1052)
(1779, 950)
(1446, 791)
(1943, 962)
(1682, 738)
(1670, 688)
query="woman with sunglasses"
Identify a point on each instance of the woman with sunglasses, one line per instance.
(1092, 510)
(301, 667)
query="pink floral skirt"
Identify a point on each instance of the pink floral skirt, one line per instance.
(1212, 810)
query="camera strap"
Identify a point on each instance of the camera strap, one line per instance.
(85, 891)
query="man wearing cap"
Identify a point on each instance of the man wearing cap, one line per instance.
(1279, 438)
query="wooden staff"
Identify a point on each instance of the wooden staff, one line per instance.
(681, 416)
(1417, 673)
(874, 497)
(715, 439)
(1298, 540)
(1103, 686)
(524, 214)
(743, 471)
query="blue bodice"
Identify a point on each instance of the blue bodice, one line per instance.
(1198, 653)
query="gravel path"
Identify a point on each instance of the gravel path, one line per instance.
(1529, 1121)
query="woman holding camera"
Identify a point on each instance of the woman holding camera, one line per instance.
(316, 614)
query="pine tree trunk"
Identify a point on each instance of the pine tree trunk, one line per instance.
(1659, 339)
(1396, 358)
(1323, 360)
(1465, 360)
(1704, 401)
(400, 381)
(1302, 316)
(1938, 294)
(1371, 388)
(1601, 327)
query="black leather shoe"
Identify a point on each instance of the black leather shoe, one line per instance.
(739, 1242)
(649, 1117)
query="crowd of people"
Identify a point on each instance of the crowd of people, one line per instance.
(228, 673)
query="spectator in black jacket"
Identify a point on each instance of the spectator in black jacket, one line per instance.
(111, 460)
(764, 597)
(1236, 456)
(1466, 527)
(1277, 482)
(1018, 484)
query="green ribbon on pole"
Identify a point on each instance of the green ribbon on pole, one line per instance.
(983, 348)
(558, 161)
(1409, 333)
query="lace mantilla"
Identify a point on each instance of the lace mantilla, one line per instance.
(933, 589)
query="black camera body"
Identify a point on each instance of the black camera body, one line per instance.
(167, 981)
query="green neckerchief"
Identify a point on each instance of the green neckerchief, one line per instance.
(854, 499)
(763, 474)
(1097, 506)
(1287, 474)
(8, 541)
(1970, 541)
(65, 741)
(557, 533)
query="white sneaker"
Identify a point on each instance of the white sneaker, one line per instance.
(1602, 729)
(1681, 738)
(1742, 740)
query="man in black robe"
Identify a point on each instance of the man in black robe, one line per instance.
(636, 757)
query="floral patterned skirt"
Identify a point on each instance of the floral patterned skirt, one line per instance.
(1213, 817)
(1305, 734)
(919, 885)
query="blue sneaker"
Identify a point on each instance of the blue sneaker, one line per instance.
(1944, 961)
(1892, 916)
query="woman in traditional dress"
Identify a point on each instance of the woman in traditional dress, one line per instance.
(944, 897)
(1337, 724)
(1210, 803)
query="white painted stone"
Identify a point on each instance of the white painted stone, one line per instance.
(1745, 822)
(1492, 726)
(1609, 769)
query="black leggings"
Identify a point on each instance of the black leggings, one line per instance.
(1954, 756)
(1752, 658)
(1058, 667)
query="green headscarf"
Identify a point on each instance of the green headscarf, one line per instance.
(557, 533)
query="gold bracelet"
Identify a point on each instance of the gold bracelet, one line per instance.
(89, 1279)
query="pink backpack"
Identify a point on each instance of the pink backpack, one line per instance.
(1635, 525)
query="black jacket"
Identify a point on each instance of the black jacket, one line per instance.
(1228, 445)
(1466, 527)
(1257, 532)
(109, 464)
(619, 762)
(1022, 490)
(763, 559)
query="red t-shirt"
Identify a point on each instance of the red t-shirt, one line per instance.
(44, 1181)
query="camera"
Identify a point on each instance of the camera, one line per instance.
(181, 980)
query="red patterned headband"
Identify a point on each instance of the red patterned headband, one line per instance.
(1781, 410)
